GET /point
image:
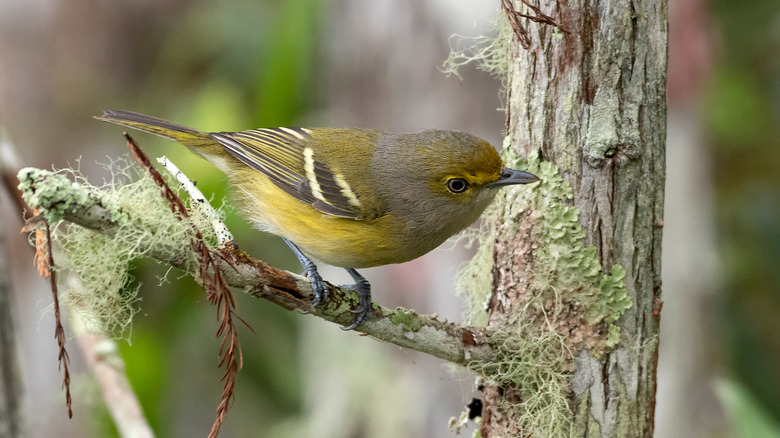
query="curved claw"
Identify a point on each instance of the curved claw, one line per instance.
(363, 288)
(361, 315)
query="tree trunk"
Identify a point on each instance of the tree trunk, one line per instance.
(587, 111)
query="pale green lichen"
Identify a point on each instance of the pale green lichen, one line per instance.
(141, 222)
(56, 195)
(534, 369)
(409, 320)
(564, 264)
(535, 360)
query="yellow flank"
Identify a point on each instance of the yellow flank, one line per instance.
(334, 240)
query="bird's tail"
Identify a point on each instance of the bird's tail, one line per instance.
(163, 128)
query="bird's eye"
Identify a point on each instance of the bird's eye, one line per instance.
(457, 185)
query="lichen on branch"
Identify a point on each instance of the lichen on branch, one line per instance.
(100, 249)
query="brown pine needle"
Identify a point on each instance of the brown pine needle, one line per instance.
(217, 292)
(45, 263)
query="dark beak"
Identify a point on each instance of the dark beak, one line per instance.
(511, 176)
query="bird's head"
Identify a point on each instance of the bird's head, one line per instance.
(442, 180)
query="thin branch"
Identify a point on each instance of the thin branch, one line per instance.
(105, 363)
(9, 165)
(425, 333)
(8, 179)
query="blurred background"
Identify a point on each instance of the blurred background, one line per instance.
(244, 64)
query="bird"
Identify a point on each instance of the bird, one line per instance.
(349, 197)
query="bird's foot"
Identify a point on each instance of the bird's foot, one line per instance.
(363, 288)
(318, 287)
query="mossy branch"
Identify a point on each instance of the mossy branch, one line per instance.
(61, 199)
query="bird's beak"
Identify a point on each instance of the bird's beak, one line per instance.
(511, 176)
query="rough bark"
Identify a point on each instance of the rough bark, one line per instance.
(593, 103)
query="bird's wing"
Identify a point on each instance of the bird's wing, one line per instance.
(285, 157)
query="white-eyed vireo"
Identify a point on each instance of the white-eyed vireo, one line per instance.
(352, 198)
